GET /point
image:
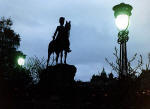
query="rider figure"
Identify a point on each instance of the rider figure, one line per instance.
(60, 30)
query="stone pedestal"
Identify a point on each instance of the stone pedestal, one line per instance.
(58, 76)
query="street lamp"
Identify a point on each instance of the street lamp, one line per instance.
(122, 13)
(21, 61)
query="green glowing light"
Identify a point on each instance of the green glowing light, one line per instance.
(21, 61)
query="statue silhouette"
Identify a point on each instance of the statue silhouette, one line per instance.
(60, 42)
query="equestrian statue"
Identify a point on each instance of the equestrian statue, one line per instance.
(60, 43)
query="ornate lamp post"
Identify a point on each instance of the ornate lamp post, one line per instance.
(122, 13)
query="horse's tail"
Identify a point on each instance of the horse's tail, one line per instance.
(51, 45)
(50, 50)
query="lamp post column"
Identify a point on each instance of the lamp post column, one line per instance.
(122, 40)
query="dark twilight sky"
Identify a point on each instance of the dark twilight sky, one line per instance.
(93, 34)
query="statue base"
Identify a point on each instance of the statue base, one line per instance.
(58, 76)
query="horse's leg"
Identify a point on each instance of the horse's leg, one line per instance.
(65, 57)
(61, 54)
(49, 53)
(57, 56)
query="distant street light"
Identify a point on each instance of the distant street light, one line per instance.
(122, 13)
(21, 61)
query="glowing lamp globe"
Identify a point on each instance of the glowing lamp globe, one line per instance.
(122, 13)
(21, 61)
(122, 21)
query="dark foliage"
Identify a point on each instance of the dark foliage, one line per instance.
(15, 75)
(9, 42)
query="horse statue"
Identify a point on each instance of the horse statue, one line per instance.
(61, 45)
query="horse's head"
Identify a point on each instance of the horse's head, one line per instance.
(68, 25)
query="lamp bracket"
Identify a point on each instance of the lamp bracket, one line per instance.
(123, 36)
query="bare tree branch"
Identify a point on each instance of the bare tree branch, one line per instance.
(35, 66)
(115, 66)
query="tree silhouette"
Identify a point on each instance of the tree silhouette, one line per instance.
(8, 38)
(9, 43)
